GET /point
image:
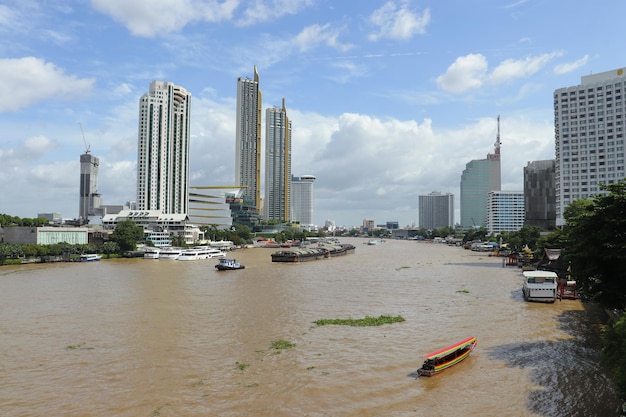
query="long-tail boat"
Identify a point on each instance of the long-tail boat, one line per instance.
(441, 359)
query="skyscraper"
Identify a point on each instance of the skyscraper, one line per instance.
(302, 199)
(89, 196)
(436, 210)
(540, 194)
(277, 164)
(479, 177)
(163, 150)
(248, 139)
(589, 137)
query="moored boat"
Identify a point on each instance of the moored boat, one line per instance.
(540, 286)
(89, 257)
(151, 253)
(170, 252)
(442, 359)
(227, 264)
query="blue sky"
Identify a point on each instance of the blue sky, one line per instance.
(388, 99)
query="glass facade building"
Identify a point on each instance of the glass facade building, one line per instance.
(540, 194)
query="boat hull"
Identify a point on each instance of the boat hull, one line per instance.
(443, 359)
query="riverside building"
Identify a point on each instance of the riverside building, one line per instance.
(248, 139)
(277, 164)
(479, 178)
(163, 149)
(589, 137)
(436, 210)
(302, 200)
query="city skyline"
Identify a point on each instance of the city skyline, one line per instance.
(389, 100)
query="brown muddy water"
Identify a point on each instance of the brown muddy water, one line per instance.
(146, 338)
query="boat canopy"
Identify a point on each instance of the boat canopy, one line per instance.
(447, 350)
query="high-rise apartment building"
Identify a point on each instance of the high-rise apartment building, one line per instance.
(163, 151)
(277, 164)
(540, 194)
(589, 137)
(248, 139)
(302, 199)
(479, 177)
(89, 197)
(505, 211)
(436, 210)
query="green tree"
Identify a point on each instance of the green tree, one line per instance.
(614, 353)
(126, 235)
(109, 248)
(596, 246)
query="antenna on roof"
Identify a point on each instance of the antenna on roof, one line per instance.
(84, 140)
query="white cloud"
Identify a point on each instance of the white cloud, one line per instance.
(398, 22)
(471, 71)
(261, 10)
(149, 18)
(571, 66)
(520, 68)
(465, 73)
(313, 35)
(25, 81)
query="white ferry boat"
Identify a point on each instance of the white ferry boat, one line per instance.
(540, 286)
(151, 253)
(90, 257)
(170, 252)
(194, 254)
(216, 253)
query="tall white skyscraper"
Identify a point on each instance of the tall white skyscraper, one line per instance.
(589, 137)
(163, 151)
(248, 139)
(302, 199)
(89, 196)
(277, 164)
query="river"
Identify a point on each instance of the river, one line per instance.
(147, 338)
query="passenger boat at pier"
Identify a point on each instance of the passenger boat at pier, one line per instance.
(540, 286)
(321, 251)
(442, 359)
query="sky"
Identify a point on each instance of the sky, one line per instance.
(388, 100)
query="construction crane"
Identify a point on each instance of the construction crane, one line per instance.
(84, 140)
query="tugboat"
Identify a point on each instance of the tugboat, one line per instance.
(227, 264)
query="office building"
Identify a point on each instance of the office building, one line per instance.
(277, 164)
(89, 199)
(540, 194)
(479, 177)
(248, 139)
(302, 199)
(436, 211)
(589, 137)
(505, 211)
(210, 205)
(163, 149)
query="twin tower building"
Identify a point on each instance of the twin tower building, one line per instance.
(163, 154)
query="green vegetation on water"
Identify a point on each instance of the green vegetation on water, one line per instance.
(367, 321)
(282, 344)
